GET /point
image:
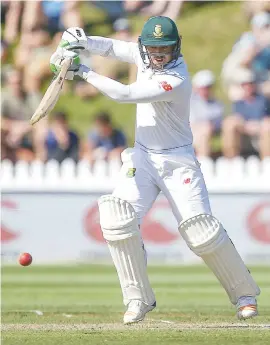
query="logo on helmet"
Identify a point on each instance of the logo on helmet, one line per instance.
(158, 31)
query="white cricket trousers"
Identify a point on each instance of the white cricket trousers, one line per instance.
(176, 173)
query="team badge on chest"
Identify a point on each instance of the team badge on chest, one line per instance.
(131, 172)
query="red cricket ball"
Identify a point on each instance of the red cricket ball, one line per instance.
(25, 259)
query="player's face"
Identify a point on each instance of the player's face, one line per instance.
(160, 56)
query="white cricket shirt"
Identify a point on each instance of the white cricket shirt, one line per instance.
(163, 98)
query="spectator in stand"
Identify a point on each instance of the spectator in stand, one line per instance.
(61, 142)
(105, 141)
(17, 106)
(169, 9)
(252, 52)
(54, 16)
(111, 68)
(113, 9)
(41, 23)
(206, 112)
(250, 121)
(253, 7)
(256, 46)
(31, 52)
(60, 15)
(132, 6)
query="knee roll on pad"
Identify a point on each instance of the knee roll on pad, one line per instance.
(207, 238)
(203, 233)
(118, 219)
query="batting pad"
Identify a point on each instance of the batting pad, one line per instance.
(207, 238)
(120, 229)
(118, 219)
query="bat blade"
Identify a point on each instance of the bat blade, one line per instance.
(52, 94)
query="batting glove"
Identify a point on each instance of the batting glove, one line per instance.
(74, 39)
(82, 72)
(57, 59)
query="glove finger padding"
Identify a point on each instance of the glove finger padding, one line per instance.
(74, 38)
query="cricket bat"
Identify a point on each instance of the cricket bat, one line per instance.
(52, 94)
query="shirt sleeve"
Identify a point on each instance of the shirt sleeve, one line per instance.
(94, 139)
(120, 50)
(237, 108)
(121, 139)
(246, 41)
(266, 106)
(160, 88)
(74, 139)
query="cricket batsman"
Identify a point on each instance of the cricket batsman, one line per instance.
(162, 159)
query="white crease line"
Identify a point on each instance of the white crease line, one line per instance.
(163, 321)
(213, 325)
(67, 315)
(166, 321)
(38, 312)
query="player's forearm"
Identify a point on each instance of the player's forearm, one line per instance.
(146, 91)
(117, 49)
(109, 87)
(139, 92)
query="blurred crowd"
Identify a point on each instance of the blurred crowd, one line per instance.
(32, 31)
(245, 77)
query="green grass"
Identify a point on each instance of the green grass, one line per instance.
(140, 338)
(82, 305)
